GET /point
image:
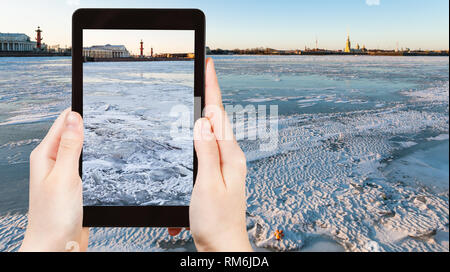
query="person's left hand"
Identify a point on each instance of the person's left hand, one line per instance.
(56, 205)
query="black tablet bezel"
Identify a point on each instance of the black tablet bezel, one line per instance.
(137, 19)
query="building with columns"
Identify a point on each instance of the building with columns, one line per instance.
(106, 51)
(16, 42)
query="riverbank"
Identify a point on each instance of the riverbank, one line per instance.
(376, 53)
(86, 59)
(325, 52)
(229, 52)
(33, 54)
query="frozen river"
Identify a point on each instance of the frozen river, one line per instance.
(361, 160)
(135, 152)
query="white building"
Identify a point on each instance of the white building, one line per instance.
(106, 51)
(16, 42)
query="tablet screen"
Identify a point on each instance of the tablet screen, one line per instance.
(138, 99)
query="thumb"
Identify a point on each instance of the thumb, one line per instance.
(70, 144)
(208, 156)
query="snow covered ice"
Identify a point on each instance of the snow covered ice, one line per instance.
(361, 162)
(130, 157)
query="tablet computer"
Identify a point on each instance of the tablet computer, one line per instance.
(138, 82)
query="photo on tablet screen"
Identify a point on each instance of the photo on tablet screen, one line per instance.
(138, 106)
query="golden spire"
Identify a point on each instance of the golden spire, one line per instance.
(348, 46)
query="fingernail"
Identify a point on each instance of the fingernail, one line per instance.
(210, 61)
(72, 120)
(206, 128)
(209, 114)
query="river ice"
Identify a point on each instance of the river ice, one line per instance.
(130, 156)
(360, 162)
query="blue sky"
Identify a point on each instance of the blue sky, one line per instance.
(277, 24)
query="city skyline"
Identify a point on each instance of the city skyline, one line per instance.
(377, 24)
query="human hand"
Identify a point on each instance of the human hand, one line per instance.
(56, 205)
(218, 205)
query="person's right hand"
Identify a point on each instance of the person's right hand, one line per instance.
(218, 204)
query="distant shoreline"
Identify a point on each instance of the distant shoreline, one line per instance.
(321, 53)
(131, 59)
(34, 54)
(19, 54)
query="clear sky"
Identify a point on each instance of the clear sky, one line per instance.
(278, 24)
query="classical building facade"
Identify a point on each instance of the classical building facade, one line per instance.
(16, 42)
(106, 51)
